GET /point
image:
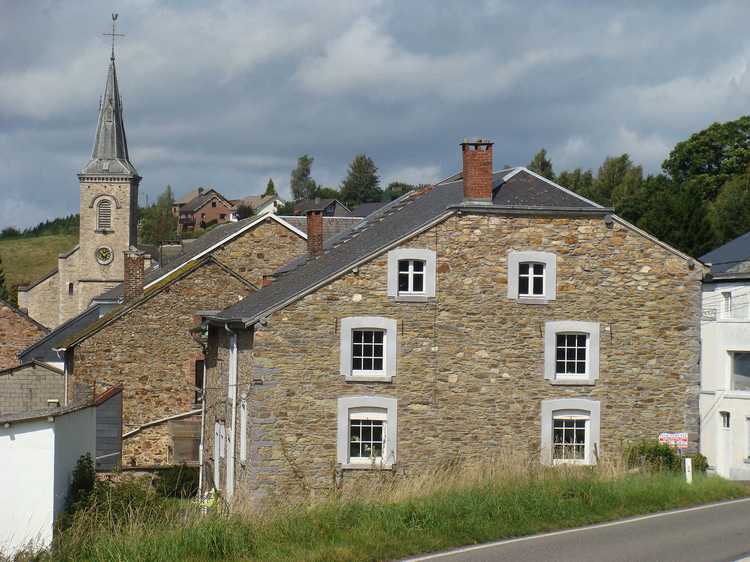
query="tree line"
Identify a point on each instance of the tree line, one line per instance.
(700, 199)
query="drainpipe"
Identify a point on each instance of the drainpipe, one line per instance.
(232, 395)
(203, 428)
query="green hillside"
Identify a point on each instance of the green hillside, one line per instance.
(27, 259)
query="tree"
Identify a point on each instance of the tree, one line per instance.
(611, 174)
(362, 184)
(159, 223)
(244, 211)
(730, 212)
(4, 292)
(270, 188)
(302, 185)
(396, 189)
(328, 193)
(711, 157)
(542, 165)
(579, 181)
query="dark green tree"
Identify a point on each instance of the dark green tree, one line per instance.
(712, 156)
(580, 181)
(244, 211)
(396, 189)
(302, 185)
(730, 212)
(328, 193)
(542, 165)
(612, 173)
(4, 292)
(270, 188)
(158, 221)
(362, 184)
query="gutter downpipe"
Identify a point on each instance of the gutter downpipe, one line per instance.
(232, 395)
(200, 451)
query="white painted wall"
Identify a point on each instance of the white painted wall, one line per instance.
(728, 450)
(37, 458)
(26, 494)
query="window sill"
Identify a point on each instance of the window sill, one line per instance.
(573, 382)
(532, 300)
(104, 230)
(367, 466)
(412, 298)
(369, 378)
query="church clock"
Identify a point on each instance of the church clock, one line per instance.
(104, 255)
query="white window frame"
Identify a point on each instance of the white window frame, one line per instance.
(372, 414)
(747, 437)
(573, 415)
(726, 305)
(515, 258)
(567, 407)
(591, 330)
(730, 375)
(419, 254)
(531, 276)
(387, 409)
(389, 327)
(725, 420)
(411, 274)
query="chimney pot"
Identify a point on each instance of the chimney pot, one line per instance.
(315, 232)
(477, 171)
(134, 273)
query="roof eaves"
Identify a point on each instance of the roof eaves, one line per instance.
(35, 363)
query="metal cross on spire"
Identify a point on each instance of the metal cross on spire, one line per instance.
(113, 35)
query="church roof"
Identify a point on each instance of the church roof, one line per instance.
(110, 155)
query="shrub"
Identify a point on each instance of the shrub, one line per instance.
(654, 456)
(83, 482)
(177, 482)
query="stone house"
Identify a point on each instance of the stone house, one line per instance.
(146, 342)
(17, 331)
(492, 313)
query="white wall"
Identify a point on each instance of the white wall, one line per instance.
(26, 494)
(727, 450)
(75, 435)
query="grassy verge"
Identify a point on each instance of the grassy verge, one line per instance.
(457, 511)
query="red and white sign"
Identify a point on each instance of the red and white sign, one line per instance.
(679, 440)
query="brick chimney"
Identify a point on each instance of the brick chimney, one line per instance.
(315, 232)
(134, 266)
(477, 170)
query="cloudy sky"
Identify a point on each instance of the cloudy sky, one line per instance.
(228, 93)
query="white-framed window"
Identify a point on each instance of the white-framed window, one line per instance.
(570, 431)
(747, 437)
(411, 274)
(411, 277)
(531, 279)
(726, 420)
(726, 304)
(532, 276)
(571, 352)
(570, 437)
(740, 362)
(366, 432)
(368, 348)
(104, 215)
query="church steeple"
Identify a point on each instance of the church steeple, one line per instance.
(110, 154)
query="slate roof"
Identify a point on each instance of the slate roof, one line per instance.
(53, 411)
(198, 202)
(367, 208)
(254, 201)
(514, 189)
(189, 196)
(110, 154)
(731, 258)
(31, 363)
(301, 207)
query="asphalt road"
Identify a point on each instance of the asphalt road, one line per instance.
(717, 532)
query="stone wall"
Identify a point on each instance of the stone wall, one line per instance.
(470, 376)
(17, 332)
(151, 352)
(28, 387)
(42, 301)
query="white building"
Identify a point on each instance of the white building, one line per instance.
(725, 360)
(39, 451)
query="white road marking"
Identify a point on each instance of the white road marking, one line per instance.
(568, 531)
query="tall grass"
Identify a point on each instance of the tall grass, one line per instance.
(391, 518)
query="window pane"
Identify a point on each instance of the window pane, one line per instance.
(523, 285)
(418, 266)
(581, 341)
(418, 281)
(560, 353)
(378, 364)
(538, 286)
(367, 364)
(523, 268)
(403, 265)
(560, 340)
(741, 371)
(571, 354)
(538, 268)
(403, 282)
(581, 356)
(357, 364)
(357, 335)
(378, 337)
(560, 367)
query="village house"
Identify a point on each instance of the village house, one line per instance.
(489, 314)
(17, 331)
(725, 360)
(260, 204)
(206, 208)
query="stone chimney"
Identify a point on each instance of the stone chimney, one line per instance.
(315, 232)
(477, 171)
(134, 266)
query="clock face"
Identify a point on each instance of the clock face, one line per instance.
(104, 255)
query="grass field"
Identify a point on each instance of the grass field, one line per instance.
(452, 508)
(27, 259)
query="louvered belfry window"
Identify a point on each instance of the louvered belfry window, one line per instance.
(104, 215)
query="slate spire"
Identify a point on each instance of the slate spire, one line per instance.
(110, 154)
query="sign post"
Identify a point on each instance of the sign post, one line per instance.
(689, 470)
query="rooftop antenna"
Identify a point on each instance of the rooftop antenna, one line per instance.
(113, 35)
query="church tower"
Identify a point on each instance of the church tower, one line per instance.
(109, 206)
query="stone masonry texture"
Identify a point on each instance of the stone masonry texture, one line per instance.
(470, 374)
(150, 349)
(17, 332)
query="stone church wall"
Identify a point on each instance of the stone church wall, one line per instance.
(17, 332)
(470, 368)
(42, 301)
